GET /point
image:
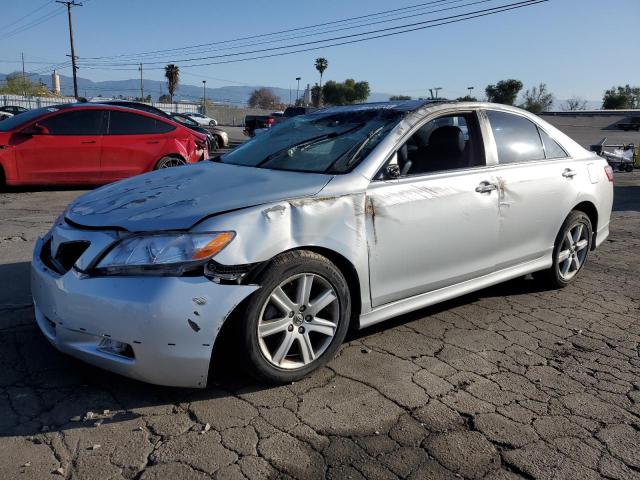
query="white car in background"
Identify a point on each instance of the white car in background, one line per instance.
(202, 119)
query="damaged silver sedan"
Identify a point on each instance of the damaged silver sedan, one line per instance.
(334, 220)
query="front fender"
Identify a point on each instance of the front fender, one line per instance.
(336, 223)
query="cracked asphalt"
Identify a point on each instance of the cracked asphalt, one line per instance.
(510, 382)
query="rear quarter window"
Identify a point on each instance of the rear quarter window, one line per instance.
(126, 123)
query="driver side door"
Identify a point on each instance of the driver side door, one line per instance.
(67, 152)
(437, 224)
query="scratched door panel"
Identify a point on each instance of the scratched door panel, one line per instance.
(428, 232)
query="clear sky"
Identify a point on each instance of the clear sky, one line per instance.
(577, 47)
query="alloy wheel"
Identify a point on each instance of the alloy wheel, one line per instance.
(298, 321)
(172, 162)
(573, 251)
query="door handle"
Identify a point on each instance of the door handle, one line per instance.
(568, 173)
(486, 187)
(153, 142)
(89, 141)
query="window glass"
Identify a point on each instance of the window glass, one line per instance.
(126, 123)
(79, 122)
(324, 142)
(451, 142)
(551, 147)
(517, 138)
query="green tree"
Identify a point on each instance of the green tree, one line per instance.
(321, 65)
(505, 91)
(574, 104)
(467, 98)
(263, 98)
(316, 95)
(619, 98)
(336, 93)
(538, 99)
(397, 98)
(172, 74)
(164, 98)
(17, 84)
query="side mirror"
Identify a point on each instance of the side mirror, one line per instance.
(392, 171)
(35, 129)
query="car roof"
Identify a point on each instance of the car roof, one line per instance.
(401, 106)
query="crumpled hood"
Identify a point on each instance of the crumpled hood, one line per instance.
(177, 198)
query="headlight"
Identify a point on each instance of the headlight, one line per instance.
(162, 253)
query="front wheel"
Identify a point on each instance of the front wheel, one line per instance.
(297, 321)
(168, 162)
(570, 250)
(213, 123)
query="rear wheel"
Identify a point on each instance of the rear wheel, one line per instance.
(168, 162)
(296, 322)
(570, 250)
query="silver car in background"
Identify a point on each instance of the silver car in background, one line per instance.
(341, 218)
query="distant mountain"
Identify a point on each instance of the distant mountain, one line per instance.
(238, 95)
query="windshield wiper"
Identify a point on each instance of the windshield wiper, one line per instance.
(303, 145)
(355, 150)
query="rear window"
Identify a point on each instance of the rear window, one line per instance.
(126, 123)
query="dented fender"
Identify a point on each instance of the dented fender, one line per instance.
(332, 222)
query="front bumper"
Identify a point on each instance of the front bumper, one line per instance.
(154, 315)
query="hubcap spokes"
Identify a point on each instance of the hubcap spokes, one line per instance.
(573, 251)
(298, 321)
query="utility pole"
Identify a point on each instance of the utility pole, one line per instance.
(298, 90)
(24, 77)
(73, 52)
(141, 84)
(470, 89)
(204, 97)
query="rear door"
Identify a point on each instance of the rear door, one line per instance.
(538, 185)
(133, 144)
(68, 153)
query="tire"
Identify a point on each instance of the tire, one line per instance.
(219, 141)
(563, 272)
(213, 123)
(277, 354)
(628, 167)
(169, 162)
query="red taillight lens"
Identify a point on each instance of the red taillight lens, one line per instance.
(609, 172)
(269, 121)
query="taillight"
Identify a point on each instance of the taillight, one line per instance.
(270, 121)
(609, 172)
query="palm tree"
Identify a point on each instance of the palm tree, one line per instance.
(172, 73)
(321, 65)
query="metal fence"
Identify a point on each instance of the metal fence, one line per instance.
(224, 114)
(233, 116)
(33, 102)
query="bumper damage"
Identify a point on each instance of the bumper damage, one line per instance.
(169, 324)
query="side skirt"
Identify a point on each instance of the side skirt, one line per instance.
(384, 312)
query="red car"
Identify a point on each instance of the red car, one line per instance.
(91, 144)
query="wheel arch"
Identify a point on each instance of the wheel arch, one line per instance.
(171, 155)
(590, 210)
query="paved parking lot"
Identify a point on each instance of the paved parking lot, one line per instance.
(510, 382)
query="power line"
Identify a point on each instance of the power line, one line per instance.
(15, 22)
(263, 35)
(414, 27)
(361, 25)
(30, 25)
